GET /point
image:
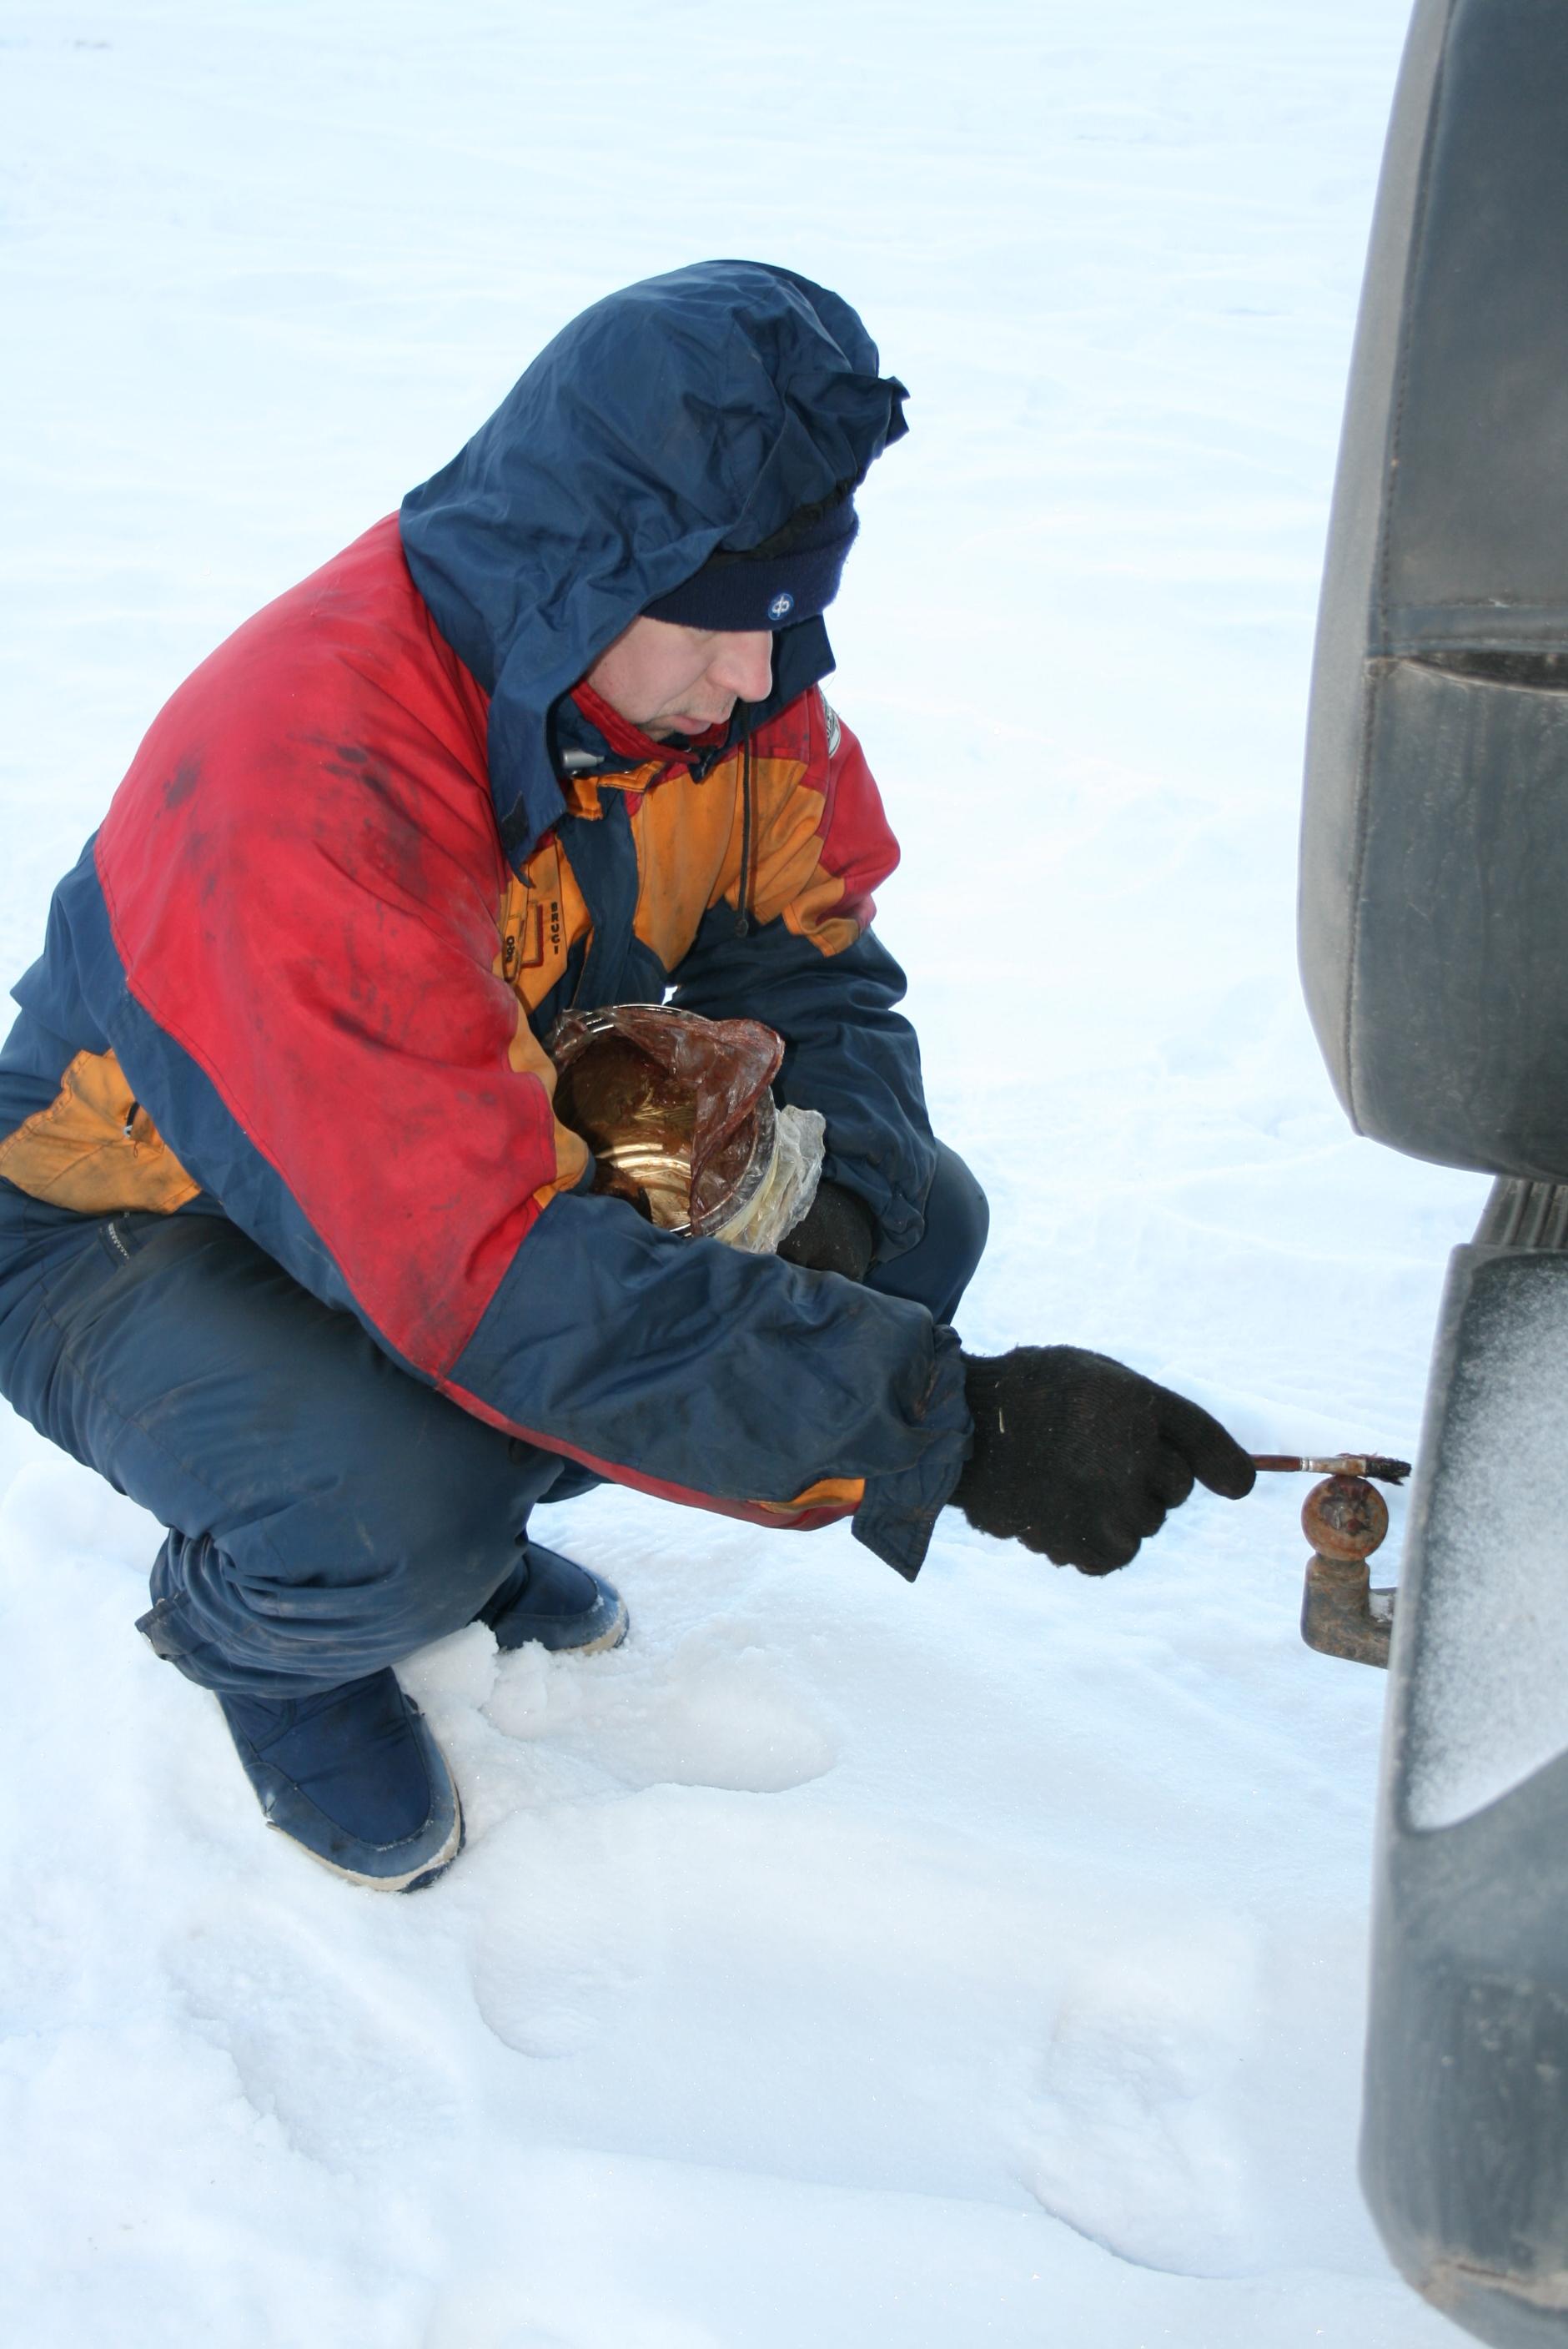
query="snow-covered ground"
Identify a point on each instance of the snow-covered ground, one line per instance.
(841, 1965)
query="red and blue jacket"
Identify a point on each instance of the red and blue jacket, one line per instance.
(382, 836)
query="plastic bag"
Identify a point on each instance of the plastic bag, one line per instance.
(678, 1113)
(787, 1189)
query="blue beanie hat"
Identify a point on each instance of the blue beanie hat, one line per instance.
(793, 575)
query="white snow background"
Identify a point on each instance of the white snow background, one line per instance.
(841, 1965)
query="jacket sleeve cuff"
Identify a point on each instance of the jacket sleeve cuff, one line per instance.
(898, 1515)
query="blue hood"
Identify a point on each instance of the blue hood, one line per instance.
(695, 408)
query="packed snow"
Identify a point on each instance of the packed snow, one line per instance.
(839, 1963)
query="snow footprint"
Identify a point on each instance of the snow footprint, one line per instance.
(566, 1915)
(314, 2042)
(1135, 2137)
(554, 1965)
(716, 1711)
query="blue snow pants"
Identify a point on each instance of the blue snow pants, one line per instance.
(326, 1513)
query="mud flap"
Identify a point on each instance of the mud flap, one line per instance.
(1465, 2131)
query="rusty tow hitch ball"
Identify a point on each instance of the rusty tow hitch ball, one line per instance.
(1345, 1519)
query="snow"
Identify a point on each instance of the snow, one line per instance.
(840, 1963)
(1489, 1684)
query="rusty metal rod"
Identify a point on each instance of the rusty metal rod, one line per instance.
(1337, 1464)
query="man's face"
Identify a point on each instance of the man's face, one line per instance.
(673, 680)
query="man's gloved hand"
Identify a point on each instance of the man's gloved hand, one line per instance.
(1079, 1457)
(835, 1235)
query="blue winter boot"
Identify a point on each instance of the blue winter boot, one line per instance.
(555, 1603)
(353, 1775)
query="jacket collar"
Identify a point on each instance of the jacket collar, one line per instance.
(588, 739)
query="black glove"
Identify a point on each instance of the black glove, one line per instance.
(836, 1234)
(1080, 1457)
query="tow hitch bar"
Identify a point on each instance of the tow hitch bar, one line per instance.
(1345, 1519)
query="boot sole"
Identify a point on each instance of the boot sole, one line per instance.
(416, 1879)
(610, 1637)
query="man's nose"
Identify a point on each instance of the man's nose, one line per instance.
(744, 666)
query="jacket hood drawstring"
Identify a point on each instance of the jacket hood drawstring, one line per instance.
(743, 889)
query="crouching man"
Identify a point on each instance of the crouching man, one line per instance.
(293, 1247)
